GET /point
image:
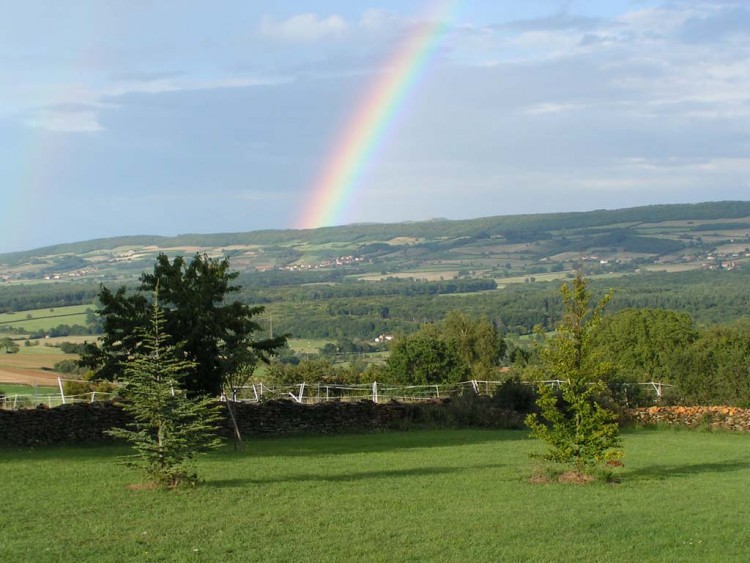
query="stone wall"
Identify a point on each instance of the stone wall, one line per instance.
(88, 422)
(67, 424)
(718, 418)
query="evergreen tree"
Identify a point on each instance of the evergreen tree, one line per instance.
(170, 429)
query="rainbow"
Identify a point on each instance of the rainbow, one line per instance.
(356, 145)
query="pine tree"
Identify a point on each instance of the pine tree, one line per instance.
(170, 428)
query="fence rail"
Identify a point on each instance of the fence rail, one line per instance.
(16, 401)
(379, 392)
(314, 393)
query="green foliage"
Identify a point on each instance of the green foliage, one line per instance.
(516, 395)
(8, 345)
(72, 388)
(27, 297)
(645, 344)
(72, 347)
(321, 370)
(715, 368)
(170, 429)
(423, 358)
(216, 334)
(577, 429)
(467, 410)
(575, 426)
(476, 341)
(450, 351)
(69, 367)
(307, 371)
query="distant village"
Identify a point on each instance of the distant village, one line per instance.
(333, 263)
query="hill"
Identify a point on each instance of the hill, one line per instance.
(490, 247)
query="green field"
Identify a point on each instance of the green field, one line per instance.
(16, 389)
(414, 496)
(46, 319)
(307, 345)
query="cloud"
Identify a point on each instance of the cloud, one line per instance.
(84, 116)
(66, 118)
(550, 113)
(304, 28)
(555, 22)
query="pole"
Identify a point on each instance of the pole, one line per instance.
(62, 393)
(238, 441)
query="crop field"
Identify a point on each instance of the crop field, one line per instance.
(421, 495)
(427, 275)
(672, 267)
(32, 365)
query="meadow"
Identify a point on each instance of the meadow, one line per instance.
(460, 495)
(46, 319)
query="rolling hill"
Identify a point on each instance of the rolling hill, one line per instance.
(689, 235)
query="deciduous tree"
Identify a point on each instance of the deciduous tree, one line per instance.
(218, 335)
(576, 427)
(8, 345)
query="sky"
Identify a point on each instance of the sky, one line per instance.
(187, 116)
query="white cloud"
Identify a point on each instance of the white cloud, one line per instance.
(304, 27)
(62, 121)
(543, 108)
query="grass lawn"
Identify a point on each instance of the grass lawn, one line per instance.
(413, 496)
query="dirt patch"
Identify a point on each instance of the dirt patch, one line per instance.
(569, 477)
(575, 477)
(25, 376)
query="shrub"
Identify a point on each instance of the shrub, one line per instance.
(515, 395)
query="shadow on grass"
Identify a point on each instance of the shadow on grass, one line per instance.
(342, 444)
(346, 477)
(665, 471)
(296, 446)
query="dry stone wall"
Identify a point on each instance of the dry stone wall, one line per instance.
(88, 422)
(718, 418)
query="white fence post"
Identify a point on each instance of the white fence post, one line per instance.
(375, 391)
(62, 393)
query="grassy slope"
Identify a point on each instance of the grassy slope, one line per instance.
(46, 319)
(448, 496)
